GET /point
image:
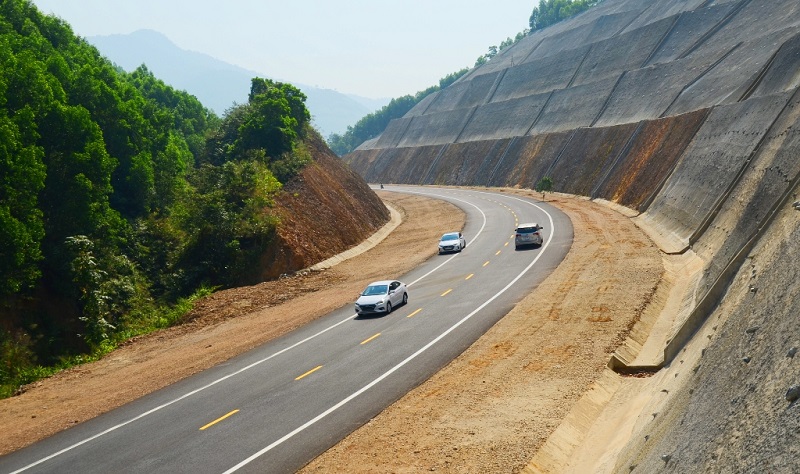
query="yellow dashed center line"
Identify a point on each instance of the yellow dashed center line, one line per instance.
(487, 263)
(218, 420)
(414, 313)
(369, 339)
(446, 292)
(309, 372)
(469, 276)
(498, 252)
(505, 245)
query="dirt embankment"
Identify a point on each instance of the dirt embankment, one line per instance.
(325, 210)
(488, 411)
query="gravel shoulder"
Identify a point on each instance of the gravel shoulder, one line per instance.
(487, 411)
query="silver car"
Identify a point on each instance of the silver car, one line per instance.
(528, 234)
(382, 297)
(452, 242)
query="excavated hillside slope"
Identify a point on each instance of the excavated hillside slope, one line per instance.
(687, 113)
(325, 191)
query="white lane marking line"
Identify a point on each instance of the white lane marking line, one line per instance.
(182, 397)
(243, 369)
(398, 366)
(477, 235)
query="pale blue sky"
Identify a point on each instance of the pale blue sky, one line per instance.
(372, 48)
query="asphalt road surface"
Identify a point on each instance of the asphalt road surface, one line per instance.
(278, 406)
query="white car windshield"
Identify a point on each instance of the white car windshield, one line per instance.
(450, 237)
(375, 290)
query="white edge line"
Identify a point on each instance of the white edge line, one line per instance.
(184, 396)
(483, 226)
(402, 363)
(243, 369)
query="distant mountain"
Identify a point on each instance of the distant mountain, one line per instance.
(217, 84)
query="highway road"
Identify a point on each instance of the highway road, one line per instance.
(278, 406)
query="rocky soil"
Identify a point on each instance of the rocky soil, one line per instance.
(487, 411)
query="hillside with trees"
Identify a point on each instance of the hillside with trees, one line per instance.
(123, 199)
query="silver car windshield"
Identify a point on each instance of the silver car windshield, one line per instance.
(376, 290)
(450, 237)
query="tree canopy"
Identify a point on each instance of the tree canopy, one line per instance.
(119, 195)
(550, 12)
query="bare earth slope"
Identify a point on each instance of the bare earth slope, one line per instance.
(488, 411)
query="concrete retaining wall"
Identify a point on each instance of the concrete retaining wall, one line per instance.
(510, 118)
(527, 159)
(541, 75)
(394, 132)
(575, 107)
(423, 105)
(613, 56)
(687, 111)
(642, 170)
(435, 129)
(711, 163)
(645, 94)
(587, 157)
(781, 74)
(449, 98)
(690, 28)
(728, 81)
(663, 9)
(480, 91)
(765, 180)
(467, 163)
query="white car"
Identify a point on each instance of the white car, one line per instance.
(382, 297)
(452, 242)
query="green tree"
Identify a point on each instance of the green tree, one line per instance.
(224, 220)
(544, 185)
(274, 119)
(118, 193)
(550, 12)
(22, 176)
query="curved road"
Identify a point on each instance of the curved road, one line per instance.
(277, 407)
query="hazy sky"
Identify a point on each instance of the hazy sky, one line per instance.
(372, 48)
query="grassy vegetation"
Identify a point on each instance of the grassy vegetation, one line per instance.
(19, 369)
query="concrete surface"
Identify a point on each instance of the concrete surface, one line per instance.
(686, 112)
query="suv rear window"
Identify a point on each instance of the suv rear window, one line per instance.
(526, 230)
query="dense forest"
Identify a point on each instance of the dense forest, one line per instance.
(547, 13)
(121, 199)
